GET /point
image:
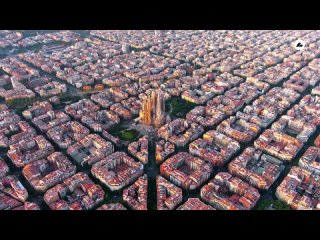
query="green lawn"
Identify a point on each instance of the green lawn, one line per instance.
(178, 107)
(128, 135)
(276, 205)
(123, 133)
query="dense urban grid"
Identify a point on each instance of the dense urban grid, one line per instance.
(159, 120)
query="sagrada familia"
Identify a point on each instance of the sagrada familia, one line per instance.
(153, 109)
